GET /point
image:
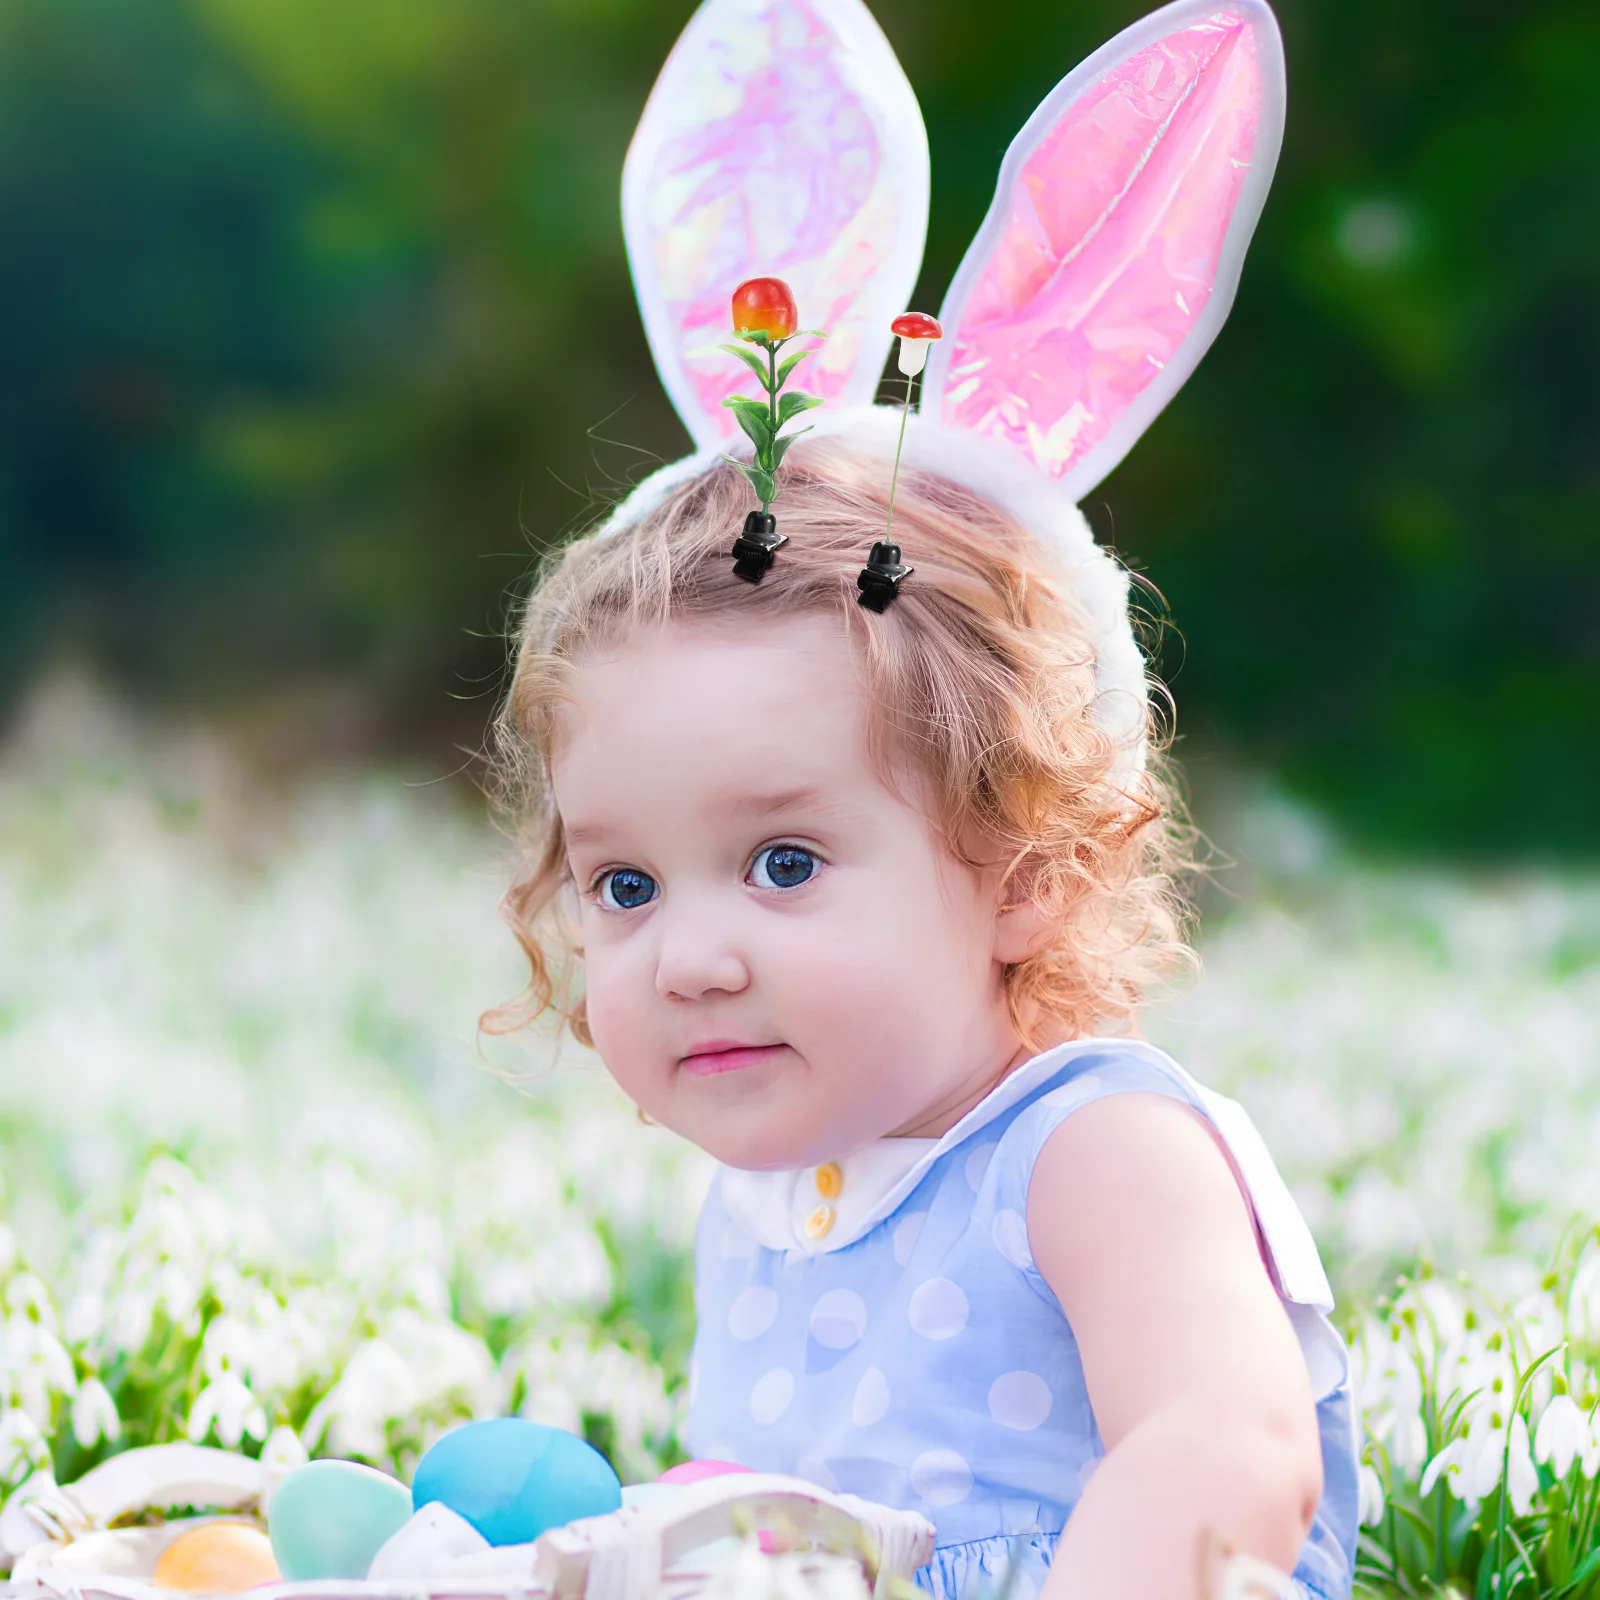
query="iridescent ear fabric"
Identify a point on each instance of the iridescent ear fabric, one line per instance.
(781, 139)
(1110, 256)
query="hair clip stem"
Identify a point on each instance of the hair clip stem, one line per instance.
(894, 477)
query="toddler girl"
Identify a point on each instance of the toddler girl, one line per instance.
(866, 902)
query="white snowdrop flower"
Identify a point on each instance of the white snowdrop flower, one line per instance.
(86, 1316)
(377, 1384)
(94, 1415)
(131, 1314)
(227, 1347)
(1371, 1496)
(283, 1451)
(1474, 1471)
(26, 1296)
(178, 1295)
(227, 1405)
(447, 1359)
(1583, 1301)
(1522, 1477)
(23, 1447)
(1562, 1433)
(36, 1365)
(1447, 1465)
(1539, 1324)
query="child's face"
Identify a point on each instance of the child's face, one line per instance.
(781, 961)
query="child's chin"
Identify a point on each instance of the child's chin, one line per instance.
(757, 1147)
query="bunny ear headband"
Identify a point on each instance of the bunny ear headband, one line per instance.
(782, 137)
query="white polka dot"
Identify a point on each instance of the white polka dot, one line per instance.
(977, 1165)
(938, 1309)
(839, 1319)
(1010, 1235)
(771, 1396)
(753, 1312)
(736, 1244)
(1072, 1095)
(1019, 1400)
(872, 1399)
(905, 1236)
(815, 1470)
(941, 1477)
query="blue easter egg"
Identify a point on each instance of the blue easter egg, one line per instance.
(512, 1479)
(329, 1518)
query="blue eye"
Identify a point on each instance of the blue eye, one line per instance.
(626, 889)
(783, 866)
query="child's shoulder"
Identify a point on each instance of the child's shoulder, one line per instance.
(1063, 1083)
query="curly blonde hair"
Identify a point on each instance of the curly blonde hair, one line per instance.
(980, 681)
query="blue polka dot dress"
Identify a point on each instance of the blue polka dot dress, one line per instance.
(878, 1326)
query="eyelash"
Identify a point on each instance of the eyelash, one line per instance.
(597, 884)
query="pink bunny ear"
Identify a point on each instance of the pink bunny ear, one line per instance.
(781, 140)
(1110, 256)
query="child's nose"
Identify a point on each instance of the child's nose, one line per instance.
(698, 954)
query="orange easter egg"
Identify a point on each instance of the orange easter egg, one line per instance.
(217, 1558)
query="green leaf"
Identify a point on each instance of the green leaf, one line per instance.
(789, 363)
(1586, 1569)
(754, 419)
(750, 359)
(793, 403)
(780, 446)
(763, 482)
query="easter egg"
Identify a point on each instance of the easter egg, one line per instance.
(699, 1471)
(512, 1479)
(649, 1494)
(329, 1518)
(431, 1545)
(216, 1558)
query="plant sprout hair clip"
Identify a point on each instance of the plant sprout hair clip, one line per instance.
(764, 315)
(880, 580)
(782, 139)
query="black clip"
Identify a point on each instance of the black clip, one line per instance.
(880, 579)
(754, 549)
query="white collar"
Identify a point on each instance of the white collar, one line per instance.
(812, 1210)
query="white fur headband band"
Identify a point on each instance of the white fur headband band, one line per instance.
(783, 139)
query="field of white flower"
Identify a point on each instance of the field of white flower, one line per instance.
(256, 1176)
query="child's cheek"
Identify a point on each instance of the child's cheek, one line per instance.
(617, 1023)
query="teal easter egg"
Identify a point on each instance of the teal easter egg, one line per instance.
(329, 1518)
(512, 1479)
(650, 1494)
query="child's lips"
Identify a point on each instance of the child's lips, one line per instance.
(726, 1055)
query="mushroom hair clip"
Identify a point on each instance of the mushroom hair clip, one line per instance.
(783, 140)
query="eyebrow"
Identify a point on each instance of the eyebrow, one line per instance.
(801, 799)
(755, 806)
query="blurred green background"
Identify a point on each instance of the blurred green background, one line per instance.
(315, 323)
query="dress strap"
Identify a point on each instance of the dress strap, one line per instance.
(1134, 1067)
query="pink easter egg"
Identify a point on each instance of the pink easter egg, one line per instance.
(699, 1471)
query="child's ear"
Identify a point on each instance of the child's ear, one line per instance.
(1021, 928)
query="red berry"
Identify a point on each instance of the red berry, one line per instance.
(764, 305)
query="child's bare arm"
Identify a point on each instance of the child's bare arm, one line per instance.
(1198, 1384)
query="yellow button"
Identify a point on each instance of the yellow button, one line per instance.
(819, 1222)
(830, 1180)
